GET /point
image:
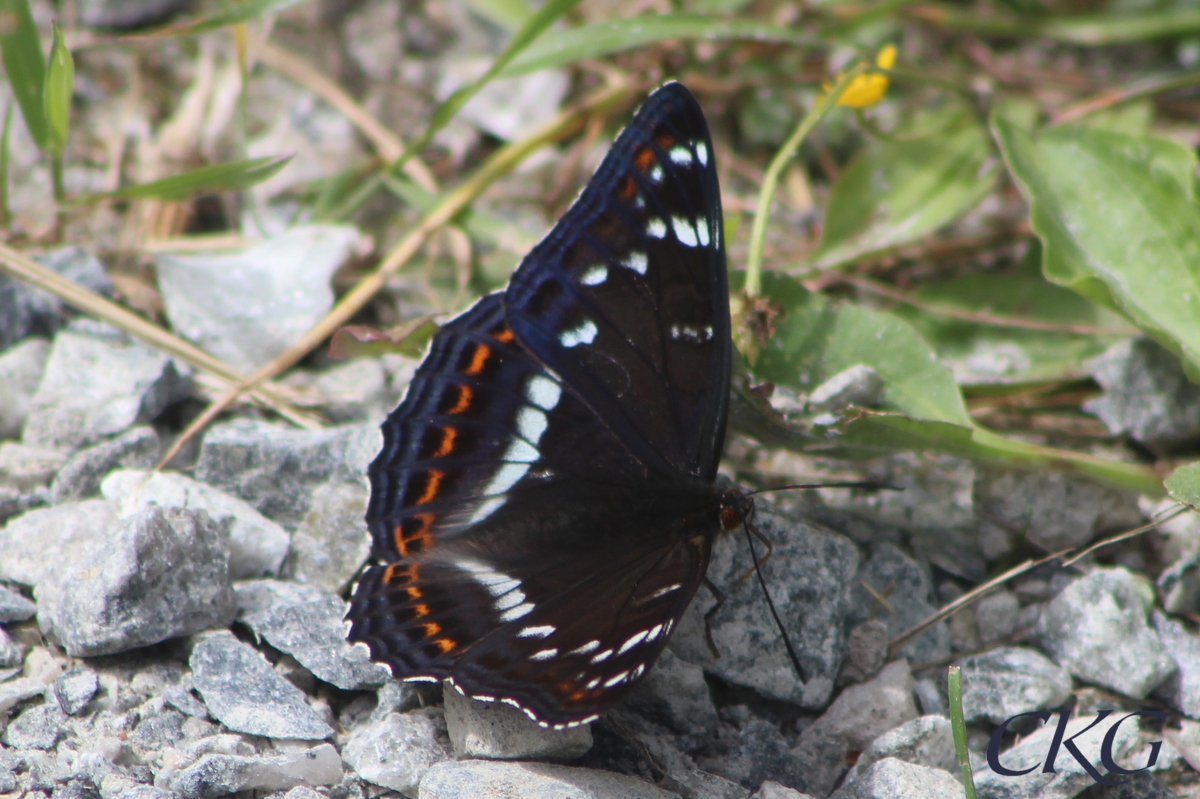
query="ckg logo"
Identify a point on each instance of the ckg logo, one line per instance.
(1106, 747)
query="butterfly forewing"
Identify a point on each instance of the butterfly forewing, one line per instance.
(626, 299)
(542, 509)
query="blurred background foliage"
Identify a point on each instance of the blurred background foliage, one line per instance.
(1005, 193)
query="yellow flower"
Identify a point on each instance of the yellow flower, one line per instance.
(867, 90)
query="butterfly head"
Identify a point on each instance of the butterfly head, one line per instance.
(735, 508)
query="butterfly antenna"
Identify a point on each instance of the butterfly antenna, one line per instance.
(751, 534)
(869, 485)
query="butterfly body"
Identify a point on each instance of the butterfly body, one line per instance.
(543, 507)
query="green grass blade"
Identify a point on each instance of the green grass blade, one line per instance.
(508, 14)
(602, 39)
(25, 66)
(232, 14)
(233, 176)
(959, 728)
(5, 214)
(60, 84)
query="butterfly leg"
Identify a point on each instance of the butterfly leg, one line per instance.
(719, 595)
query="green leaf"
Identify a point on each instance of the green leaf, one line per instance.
(508, 14)
(985, 354)
(900, 190)
(534, 27)
(232, 14)
(561, 48)
(1184, 485)
(813, 341)
(1118, 223)
(60, 85)
(360, 341)
(25, 66)
(221, 177)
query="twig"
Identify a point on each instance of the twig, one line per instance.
(38, 276)
(500, 163)
(1125, 536)
(388, 145)
(965, 600)
(978, 316)
(1134, 91)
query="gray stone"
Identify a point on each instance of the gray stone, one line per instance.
(37, 727)
(21, 369)
(930, 699)
(74, 689)
(28, 311)
(759, 753)
(157, 731)
(1002, 683)
(276, 469)
(128, 14)
(25, 468)
(500, 780)
(1096, 628)
(680, 772)
(120, 786)
(859, 385)
(355, 391)
(10, 653)
(40, 543)
(1182, 689)
(14, 502)
(158, 574)
(396, 697)
(306, 622)
(1143, 785)
(1069, 777)
(246, 308)
(773, 790)
(332, 542)
(257, 545)
(245, 694)
(14, 607)
(182, 699)
(216, 775)
(1146, 394)
(892, 778)
(13, 692)
(810, 577)
(866, 651)
(78, 404)
(80, 477)
(863, 712)
(397, 751)
(908, 601)
(499, 732)
(996, 615)
(675, 694)
(926, 741)
(1179, 585)
(1054, 509)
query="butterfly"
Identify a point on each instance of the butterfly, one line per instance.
(543, 507)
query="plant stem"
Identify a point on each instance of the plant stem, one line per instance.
(56, 173)
(959, 728)
(758, 232)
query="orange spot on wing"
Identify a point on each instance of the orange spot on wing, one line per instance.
(421, 610)
(665, 140)
(413, 592)
(445, 644)
(447, 445)
(478, 359)
(644, 159)
(465, 395)
(409, 573)
(504, 335)
(431, 628)
(434, 479)
(628, 189)
(404, 539)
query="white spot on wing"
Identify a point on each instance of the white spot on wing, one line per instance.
(654, 631)
(605, 655)
(701, 152)
(508, 476)
(590, 646)
(656, 173)
(531, 423)
(592, 684)
(497, 583)
(537, 632)
(616, 679)
(584, 334)
(638, 671)
(594, 275)
(489, 507)
(702, 235)
(681, 155)
(633, 641)
(544, 654)
(521, 451)
(685, 232)
(664, 591)
(517, 612)
(637, 261)
(510, 599)
(656, 228)
(543, 392)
